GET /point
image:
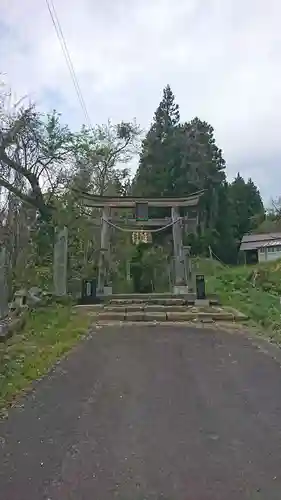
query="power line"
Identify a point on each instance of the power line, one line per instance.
(61, 38)
(66, 53)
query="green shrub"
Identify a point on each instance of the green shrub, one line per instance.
(254, 291)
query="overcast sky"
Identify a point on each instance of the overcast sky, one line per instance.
(222, 59)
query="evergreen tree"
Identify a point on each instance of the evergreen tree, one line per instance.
(158, 148)
(224, 244)
(247, 206)
(254, 197)
(180, 159)
(199, 165)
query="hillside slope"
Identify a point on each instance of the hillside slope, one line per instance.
(254, 290)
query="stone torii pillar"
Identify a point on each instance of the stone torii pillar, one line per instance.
(104, 251)
(4, 307)
(179, 257)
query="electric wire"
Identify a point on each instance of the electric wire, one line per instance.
(67, 56)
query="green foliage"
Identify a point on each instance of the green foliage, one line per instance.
(246, 204)
(149, 266)
(254, 291)
(34, 152)
(43, 164)
(225, 244)
(200, 165)
(271, 222)
(157, 155)
(101, 154)
(178, 159)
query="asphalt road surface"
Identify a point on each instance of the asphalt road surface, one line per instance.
(149, 414)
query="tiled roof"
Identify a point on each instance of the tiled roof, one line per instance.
(255, 241)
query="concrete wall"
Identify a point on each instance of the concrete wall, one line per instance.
(262, 255)
(267, 254)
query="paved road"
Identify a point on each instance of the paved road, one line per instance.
(149, 413)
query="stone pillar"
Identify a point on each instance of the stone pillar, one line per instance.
(104, 251)
(128, 270)
(179, 258)
(188, 267)
(60, 262)
(4, 307)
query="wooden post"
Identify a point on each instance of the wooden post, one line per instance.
(178, 249)
(60, 262)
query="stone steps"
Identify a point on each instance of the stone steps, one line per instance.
(157, 298)
(172, 310)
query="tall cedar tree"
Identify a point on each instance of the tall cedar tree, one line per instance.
(179, 159)
(199, 165)
(157, 155)
(247, 206)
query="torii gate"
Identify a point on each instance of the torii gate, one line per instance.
(107, 203)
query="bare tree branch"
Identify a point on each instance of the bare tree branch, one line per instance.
(33, 148)
(16, 191)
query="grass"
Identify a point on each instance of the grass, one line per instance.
(49, 334)
(253, 290)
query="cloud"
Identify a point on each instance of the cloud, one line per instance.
(221, 58)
